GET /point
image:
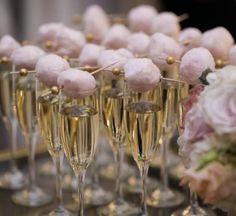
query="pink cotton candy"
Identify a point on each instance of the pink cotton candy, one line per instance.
(232, 56)
(163, 46)
(70, 42)
(89, 55)
(49, 32)
(141, 74)
(108, 57)
(166, 23)
(116, 37)
(190, 38)
(140, 18)
(218, 41)
(7, 45)
(26, 57)
(95, 21)
(76, 83)
(194, 63)
(138, 43)
(49, 67)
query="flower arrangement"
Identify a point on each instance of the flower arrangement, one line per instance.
(208, 140)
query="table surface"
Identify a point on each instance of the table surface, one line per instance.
(7, 208)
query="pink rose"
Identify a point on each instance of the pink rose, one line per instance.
(213, 184)
(195, 126)
(219, 106)
(189, 101)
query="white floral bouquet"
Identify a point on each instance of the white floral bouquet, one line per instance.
(208, 141)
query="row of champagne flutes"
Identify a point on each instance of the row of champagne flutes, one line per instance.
(146, 119)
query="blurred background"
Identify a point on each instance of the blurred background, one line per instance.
(21, 18)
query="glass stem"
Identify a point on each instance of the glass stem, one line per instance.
(81, 179)
(94, 173)
(32, 139)
(143, 174)
(58, 163)
(193, 202)
(118, 157)
(164, 164)
(13, 135)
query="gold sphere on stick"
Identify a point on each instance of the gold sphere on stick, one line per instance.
(23, 72)
(55, 90)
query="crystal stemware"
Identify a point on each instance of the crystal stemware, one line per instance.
(24, 100)
(13, 178)
(47, 114)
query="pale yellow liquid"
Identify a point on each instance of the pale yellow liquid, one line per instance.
(113, 110)
(143, 124)
(169, 101)
(78, 130)
(5, 98)
(26, 106)
(48, 121)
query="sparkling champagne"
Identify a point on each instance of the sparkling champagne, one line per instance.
(78, 130)
(5, 97)
(170, 92)
(26, 105)
(112, 110)
(48, 121)
(143, 124)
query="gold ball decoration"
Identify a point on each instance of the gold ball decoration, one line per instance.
(116, 71)
(89, 37)
(55, 90)
(219, 63)
(48, 45)
(4, 60)
(23, 72)
(25, 42)
(170, 60)
(76, 19)
(66, 58)
(117, 20)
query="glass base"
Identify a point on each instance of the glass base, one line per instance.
(60, 211)
(133, 185)
(165, 198)
(12, 179)
(31, 198)
(108, 172)
(118, 207)
(199, 212)
(95, 195)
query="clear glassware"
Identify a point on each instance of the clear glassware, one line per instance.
(79, 130)
(47, 114)
(24, 101)
(112, 109)
(143, 125)
(193, 208)
(165, 196)
(13, 178)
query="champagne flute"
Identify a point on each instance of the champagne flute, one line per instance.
(12, 178)
(143, 121)
(78, 131)
(95, 195)
(25, 102)
(112, 110)
(47, 113)
(165, 196)
(193, 208)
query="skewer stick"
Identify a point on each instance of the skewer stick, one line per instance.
(103, 68)
(183, 17)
